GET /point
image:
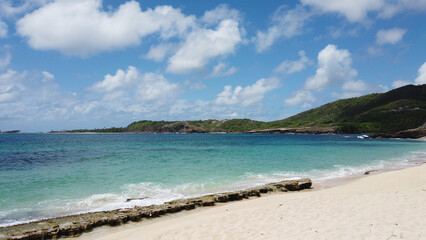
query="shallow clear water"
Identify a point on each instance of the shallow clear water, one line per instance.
(48, 175)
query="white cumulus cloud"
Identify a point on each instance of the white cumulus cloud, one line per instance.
(120, 79)
(421, 76)
(400, 83)
(356, 88)
(160, 51)
(288, 66)
(286, 23)
(391, 8)
(157, 89)
(334, 67)
(81, 27)
(354, 11)
(358, 11)
(145, 89)
(202, 45)
(221, 69)
(12, 8)
(390, 36)
(248, 95)
(11, 85)
(47, 76)
(25, 97)
(221, 12)
(303, 98)
(420, 79)
(31, 97)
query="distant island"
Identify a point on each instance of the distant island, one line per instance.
(9, 132)
(398, 113)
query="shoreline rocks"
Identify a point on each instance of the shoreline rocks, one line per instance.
(370, 171)
(410, 133)
(135, 199)
(75, 225)
(301, 130)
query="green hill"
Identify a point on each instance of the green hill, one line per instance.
(397, 110)
(201, 126)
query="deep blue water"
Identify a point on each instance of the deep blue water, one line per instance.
(47, 175)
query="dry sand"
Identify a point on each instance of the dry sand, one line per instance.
(388, 205)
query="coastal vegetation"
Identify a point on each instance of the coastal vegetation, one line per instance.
(394, 111)
(397, 110)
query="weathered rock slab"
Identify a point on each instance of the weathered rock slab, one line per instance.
(75, 225)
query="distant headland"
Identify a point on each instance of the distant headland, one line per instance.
(9, 132)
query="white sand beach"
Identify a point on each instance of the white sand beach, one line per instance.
(387, 205)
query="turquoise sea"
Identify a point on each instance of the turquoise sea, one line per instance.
(50, 175)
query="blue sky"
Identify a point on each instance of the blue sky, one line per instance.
(69, 64)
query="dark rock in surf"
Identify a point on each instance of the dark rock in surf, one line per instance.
(134, 199)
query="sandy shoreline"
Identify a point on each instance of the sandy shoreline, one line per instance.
(387, 205)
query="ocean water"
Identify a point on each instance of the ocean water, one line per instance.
(50, 175)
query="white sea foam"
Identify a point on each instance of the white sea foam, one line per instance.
(154, 193)
(158, 193)
(7, 220)
(338, 171)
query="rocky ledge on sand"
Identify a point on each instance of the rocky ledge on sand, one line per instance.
(75, 225)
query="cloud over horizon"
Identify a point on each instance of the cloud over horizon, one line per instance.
(358, 11)
(286, 23)
(390, 36)
(82, 28)
(421, 75)
(202, 45)
(292, 66)
(334, 67)
(249, 95)
(94, 62)
(304, 98)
